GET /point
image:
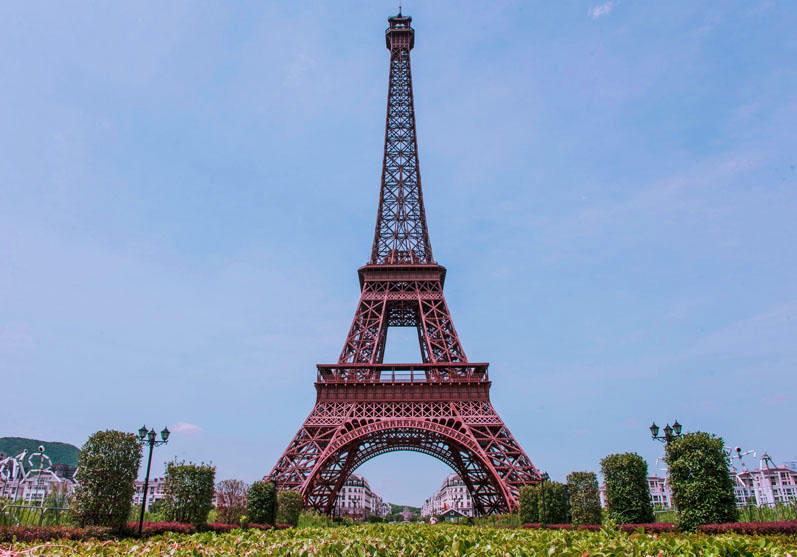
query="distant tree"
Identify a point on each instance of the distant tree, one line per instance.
(262, 503)
(627, 491)
(289, 506)
(585, 502)
(230, 501)
(700, 480)
(107, 470)
(188, 492)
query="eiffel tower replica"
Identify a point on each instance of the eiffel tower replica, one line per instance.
(441, 406)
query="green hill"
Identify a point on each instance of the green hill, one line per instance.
(394, 509)
(59, 453)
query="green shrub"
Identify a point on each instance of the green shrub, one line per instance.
(289, 506)
(107, 471)
(552, 508)
(509, 520)
(528, 505)
(188, 492)
(584, 496)
(700, 480)
(311, 518)
(627, 492)
(262, 502)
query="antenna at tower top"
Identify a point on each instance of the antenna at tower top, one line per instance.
(399, 9)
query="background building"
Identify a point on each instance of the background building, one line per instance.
(451, 499)
(154, 491)
(30, 479)
(355, 499)
(766, 487)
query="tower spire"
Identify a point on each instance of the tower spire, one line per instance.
(401, 234)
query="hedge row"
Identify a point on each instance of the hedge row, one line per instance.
(47, 533)
(752, 528)
(650, 528)
(749, 528)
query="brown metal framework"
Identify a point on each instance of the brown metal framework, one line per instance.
(441, 406)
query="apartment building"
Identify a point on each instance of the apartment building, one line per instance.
(451, 499)
(357, 500)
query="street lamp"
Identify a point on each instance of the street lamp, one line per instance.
(149, 438)
(670, 433)
(543, 478)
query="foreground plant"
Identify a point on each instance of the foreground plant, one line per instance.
(422, 539)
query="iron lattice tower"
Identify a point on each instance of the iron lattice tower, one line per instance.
(441, 406)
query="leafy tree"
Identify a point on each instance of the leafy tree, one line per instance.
(107, 469)
(700, 480)
(627, 492)
(231, 501)
(262, 503)
(188, 492)
(584, 495)
(289, 506)
(528, 505)
(550, 508)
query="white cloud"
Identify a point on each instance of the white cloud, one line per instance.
(182, 427)
(602, 9)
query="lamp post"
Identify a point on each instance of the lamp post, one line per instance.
(148, 438)
(543, 478)
(670, 433)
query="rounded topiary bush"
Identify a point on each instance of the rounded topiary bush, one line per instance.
(627, 492)
(262, 503)
(289, 507)
(700, 479)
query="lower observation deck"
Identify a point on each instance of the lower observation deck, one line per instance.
(440, 381)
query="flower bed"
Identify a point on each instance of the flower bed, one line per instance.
(751, 528)
(155, 528)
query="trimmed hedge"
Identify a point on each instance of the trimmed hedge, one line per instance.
(156, 528)
(556, 506)
(8, 534)
(188, 492)
(262, 503)
(750, 528)
(650, 528)
(106, 475)
(584, 496)
(289, 506)
(700, 479)
(627, 492)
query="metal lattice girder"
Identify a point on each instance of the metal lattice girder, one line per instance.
(401, 234)
(348, 427)
(440, 406)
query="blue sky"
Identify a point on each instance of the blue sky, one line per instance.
(187, 189)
